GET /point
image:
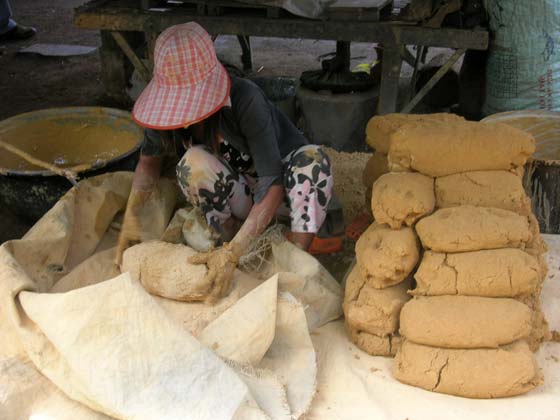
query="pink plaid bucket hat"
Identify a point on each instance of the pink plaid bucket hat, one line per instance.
(189, 83)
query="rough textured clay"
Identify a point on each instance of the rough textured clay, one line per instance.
(476, 373)
(163, 270)
(444, 148)
(499, 189)
(386, 256)
(375, 311)
(506, 272)
(402, 197)
(464, 322)
(468, 228)
(380, 128)
(540, 330)
(374, 345)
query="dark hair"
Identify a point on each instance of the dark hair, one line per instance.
(211, 133)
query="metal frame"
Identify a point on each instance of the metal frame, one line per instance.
(394, 36)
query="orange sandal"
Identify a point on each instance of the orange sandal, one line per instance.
(328, 245)
(358, 226)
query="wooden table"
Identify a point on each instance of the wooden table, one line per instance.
(125, 24)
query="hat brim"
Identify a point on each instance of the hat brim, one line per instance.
(168, 107)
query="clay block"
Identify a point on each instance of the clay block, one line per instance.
(375, 167)
(539, 326)
(386, 256)
(465, 322)
(163, 270)
(380, 128)
(371, 310)
(498, 189)
(441, 149)
(402, 197)
(476, 373)
(506, 272)
(373, 344)
(468, 228)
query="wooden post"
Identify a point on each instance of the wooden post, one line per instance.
(390, 75)
(113, 71)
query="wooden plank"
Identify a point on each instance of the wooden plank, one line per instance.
(121, 19)
(361, 10)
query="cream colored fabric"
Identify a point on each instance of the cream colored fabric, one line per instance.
(81, 340)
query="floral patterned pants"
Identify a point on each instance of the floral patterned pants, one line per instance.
(209, 182)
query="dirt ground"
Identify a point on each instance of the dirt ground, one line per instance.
(30, 82)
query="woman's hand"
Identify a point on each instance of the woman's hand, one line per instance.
(144, 191)
(221, 263)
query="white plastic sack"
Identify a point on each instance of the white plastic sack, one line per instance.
(304, 8)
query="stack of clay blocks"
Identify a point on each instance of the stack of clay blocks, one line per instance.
(456, 187)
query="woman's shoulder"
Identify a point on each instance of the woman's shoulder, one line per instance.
(244, 90)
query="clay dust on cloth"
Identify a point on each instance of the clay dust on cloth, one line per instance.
(82, 340)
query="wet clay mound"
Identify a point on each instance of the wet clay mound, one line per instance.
(498, 189)
(386, 257)
(465, 321)
(402, 198)
(380, 128)
(372, 310)
(163, 270)
(506, 272)
(469, 228)
(479, 373)
(441, 149)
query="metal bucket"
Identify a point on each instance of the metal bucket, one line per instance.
(542, 171)
(105, 139)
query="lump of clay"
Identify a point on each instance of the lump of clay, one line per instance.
(164, 270)
(506, 272)
(402, 197)
(374, 345)
(374, 311)
(380, 128)
(465, 322)
(468, 228)
(386, 256)
(499, 189)
(476, 373)
(445, 148)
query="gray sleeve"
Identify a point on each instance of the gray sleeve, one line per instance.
(263, 184)
(157, 143)
(255, 117)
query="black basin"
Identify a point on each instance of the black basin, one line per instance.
(31, 193)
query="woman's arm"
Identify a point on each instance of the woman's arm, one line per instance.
(147, 173)
(146, 176)
(258, 219)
